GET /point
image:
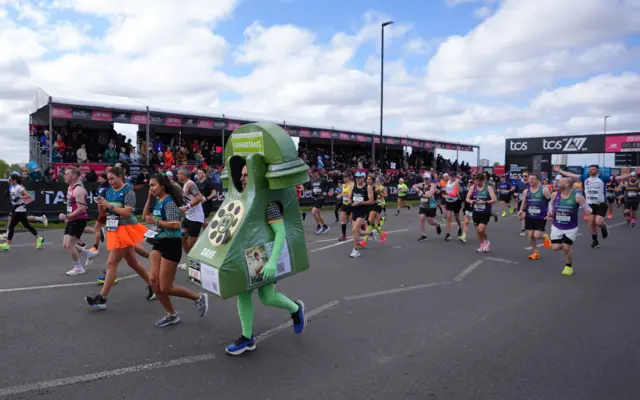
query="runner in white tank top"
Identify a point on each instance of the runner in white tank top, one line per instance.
(194, 215)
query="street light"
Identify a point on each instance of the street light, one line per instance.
(381, 93)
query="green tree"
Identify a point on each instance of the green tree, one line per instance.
(496, 164)
(4, 168)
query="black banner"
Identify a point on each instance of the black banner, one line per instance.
(157, 119)
(49, 198)
(189, 122)
(584, 144)
(81, 113)
(122, 117)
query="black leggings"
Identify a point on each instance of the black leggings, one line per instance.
(22, 218)
(337, 210)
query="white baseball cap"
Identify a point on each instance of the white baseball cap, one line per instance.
(426, 175)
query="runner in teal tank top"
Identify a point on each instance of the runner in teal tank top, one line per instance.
(481, 196)
(535, 201)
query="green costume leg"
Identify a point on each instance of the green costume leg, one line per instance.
(245, 311)
(269, 297)
(369, 229)
(378, 229)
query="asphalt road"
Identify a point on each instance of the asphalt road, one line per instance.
(407, 320)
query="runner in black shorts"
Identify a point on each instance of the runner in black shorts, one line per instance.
(362, 198)
(205, 186)
(319, 188)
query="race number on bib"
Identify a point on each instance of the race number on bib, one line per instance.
(563, 218)
(112, 223)
(479, 207)
(151, 233)
(317, 190)
(358, 199)
(534, 210)
(69, 209)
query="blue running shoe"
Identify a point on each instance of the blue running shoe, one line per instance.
(325, 229)
(96, 301)
(299, 319)
(241, 345)
(168, 320)
(318, 229)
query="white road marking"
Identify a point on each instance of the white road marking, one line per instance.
(74, 380)
(24, 289)
(288, 324)
(467, 271)
(348, 241)
(501, 260)
(393, 291)
(30, 244)
(580, 234)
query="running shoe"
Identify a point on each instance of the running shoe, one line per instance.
(568, 271)
(299, 319)
(96, 301)
(495, 217)
(547, 241)
(523, 233)
(354, 253)
(76, 271)
(438, 229)
(534, 256)
(325, 229)
(504, 214)
(150, 294)
(45, 220)
(39, 242)
(5, 247)
(363, 244)
(481, 248)
(605, 231)
(168, 320)
(318, 229)
(241, 345)
(595, 244)
(304, 216)
(463, 238)
(422, 238)
(202, 304)
(342, 239)
(487, 246)
(383, 237)
(101, 279)
(447, 237)
(459, 232)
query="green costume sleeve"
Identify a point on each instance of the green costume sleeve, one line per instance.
(278, 241)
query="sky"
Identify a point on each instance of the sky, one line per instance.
(469, 71)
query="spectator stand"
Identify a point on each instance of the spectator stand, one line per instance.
(79, 129)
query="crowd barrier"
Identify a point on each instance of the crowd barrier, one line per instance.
(49, 198)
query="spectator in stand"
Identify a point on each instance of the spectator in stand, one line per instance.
(169, 161)
(158, 145)
(134, 158)
(181, 157)
(111, 155)
(81, 154)
(123, 155)
(59, 145)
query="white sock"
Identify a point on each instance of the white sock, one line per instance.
(78, 265)
(39, 219)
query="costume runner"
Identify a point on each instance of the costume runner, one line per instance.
(256, 237)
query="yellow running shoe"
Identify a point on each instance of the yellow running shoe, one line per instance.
(504, 214)
(5, 247)
(39, 242)
(547, 241)
(568, 271)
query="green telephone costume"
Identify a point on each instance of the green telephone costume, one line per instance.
(256, 237)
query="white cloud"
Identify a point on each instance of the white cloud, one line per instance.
(482, 12)
(527, 44)
(498, 80)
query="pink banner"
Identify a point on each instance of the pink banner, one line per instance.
(60, 112)
(101, 115)
(376, 139)
(344, 136)
(173, 121)
(325, 134)
(140, 119)
(98, 168)
(361, 138)
(623, 143)
(233, 125)
(304, 133)
(205, 124)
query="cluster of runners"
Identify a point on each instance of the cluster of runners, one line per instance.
(534, 200)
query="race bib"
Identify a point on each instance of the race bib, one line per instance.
(358, 199)
(563, 218)
(534, 210)
(611, 194)
(69, 209)
(112, 223)
(316, 190)
(479, 207)
(632, 194)
(468, 214)
(151, 233)
(424, 200)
